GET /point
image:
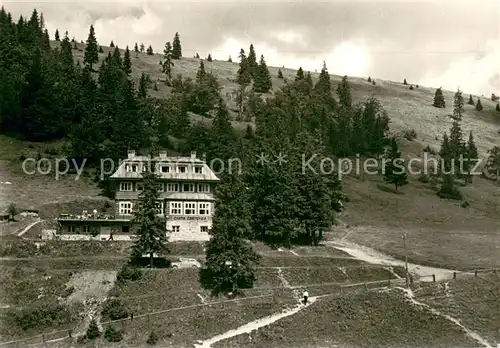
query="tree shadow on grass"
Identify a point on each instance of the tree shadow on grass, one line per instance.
(389, 189)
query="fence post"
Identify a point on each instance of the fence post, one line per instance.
(454, 275)
(433, 278)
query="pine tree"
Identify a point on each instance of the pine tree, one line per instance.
(479, 106)
(471, 101)
(112, 44)
(448, 189)
(280, 74)
(230, 60)
(494, 98)
(263, 81)
(472, 157)
(244, 78)
(93, 330)
(150, 228)
(142, 47)
(404, 82)
(176, 47)
(91, 55)
(150, 51)
(201, 73)
(394, 171)
(411, 88)
(209, 58)
(197, 56)
(344, 93)
(458, 105)
(309, 79)
(251, 62)
(57, 35)
(369, 79)
(493, 163)
(127, 63)
(300, 74)
(497, 107)
(248, 132)
(100, 50)
(166, 66)
(457, 148)
(136, 48)
(439, 99)
(373, 82)
(142, 90)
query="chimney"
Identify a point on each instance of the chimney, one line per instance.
(193, 155)
(163, 154)
(131, 154)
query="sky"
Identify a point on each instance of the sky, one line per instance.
(453, 44)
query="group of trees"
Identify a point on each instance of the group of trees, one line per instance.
(250, 71)
(439, 101)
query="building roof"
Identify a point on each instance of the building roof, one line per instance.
(161, 160)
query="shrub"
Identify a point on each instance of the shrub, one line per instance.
(410, 134)
(128, 273)
(423, 178)
(39, 316)
(93, 330)
(411, 88)
(153, 338)
(112, 335)
(114, 309)
(449, 192)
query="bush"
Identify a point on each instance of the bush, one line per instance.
(39, 316)
(410, 134)
(411, 88)
(128, 273)
(112, 335)
(114, 309)
(93, 330)
(153, 338)
(449, 192)
(423, 178)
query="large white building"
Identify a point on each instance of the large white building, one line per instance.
(186, 186)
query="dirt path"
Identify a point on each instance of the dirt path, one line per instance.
(475, 336)
(372, 256)
(27, 228)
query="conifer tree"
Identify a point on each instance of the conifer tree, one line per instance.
(251, 62)
(166, 65)
(127, 63)
(439, 99)
(394, 171)
(248, 132)
(494, 97)
(57, 35)
(176, 47)
(300, 74)
(369, 79)
(150, 51)
(493, 163)
(209, 58)
(263, 81)
(411, 88)
(201, 73)
(404, 82)
(497, 107)
(142, 47)
(344, 93)
(91, 54)
(309, 79)
(149, 227)
(93, 330)
(100, 50)
(197, 56)
(471, 101)
(472, 157)
(457, 148)
(479, 106)
(280, 74)
(230, 60)
(448, 189)
(458, 105)
(136, 48)
(244, 78)
(112, 44)
(142, 90)
(373, 82)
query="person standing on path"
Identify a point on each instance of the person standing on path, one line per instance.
(305, 295)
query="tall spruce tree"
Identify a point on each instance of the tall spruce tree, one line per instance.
(150, 51)
(229, 60)
(497, 108)
(493, 163)
(457, 148)
(458, 105)
(112, 44)
(149, 227)
(142, 47)
(127, 63)
(244, 77)
(447, 189)
(209, 58)
(471, 101)
(176, 47)
(167, 63)
(91, 55)
(472, 157)
(56, 35)
(404, 82)
(309, 79)
(136, 48)
(280, 74)
(300, 74)
(394, 171)
(439, 99)
(263, 81)
(344, 93)
(251, 62)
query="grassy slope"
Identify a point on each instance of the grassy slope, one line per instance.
(439, 231)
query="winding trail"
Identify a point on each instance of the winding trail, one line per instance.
(254, 325)
(373, 256)
(475, 336)
(27, 228)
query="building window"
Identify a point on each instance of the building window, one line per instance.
(134, 168)
(198, 170)
(190, 208)
(71, 229)
(181, 169)
(176, 228)
(125, 186)
(204, 229)
(160, 187)
(139, 186)
(203, 188)
(165, 169)
(86, 229)
(203, 208)
(175, 208)
(125, 208)
(159, 207)
(125, 229)
(127, 168)
(172, 187)
(188, 188)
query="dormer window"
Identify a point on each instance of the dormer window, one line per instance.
(128, 169)
(198, 170)
(181, 169)
(165, 169)
(134, 168)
